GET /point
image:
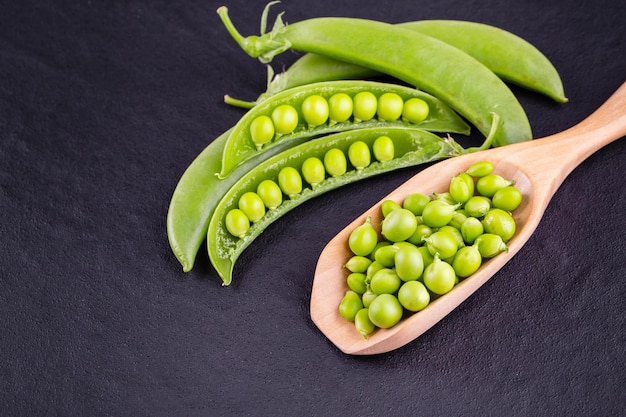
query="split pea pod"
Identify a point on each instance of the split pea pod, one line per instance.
(429, 64)
(509, 56)
(409, 147)
(311, 110)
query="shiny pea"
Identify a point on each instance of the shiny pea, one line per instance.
(471, 229)
(374, 267)
(385, 281)
(458, 218)
(456, 233)
(363, 239)
(508, 198)
(357, 263)
(466, 261)
(415, 110)
(270, 193)
(237, 223)
(461, 187)
(480, 169)
(313, 171)
(501, 223)
(438, 213)
(368, 297)
(489, 245)
(365, 106)
(379, 245)
(427, 257)
(290, 181)
(350, 305)
(340, 107)
(477, 206)
(359, 154)
(252, 205)
(408, 262)
(489, 184)
(439, 277)
(356, 282)
(389, 107)
(363, 324)
(285, 118)
(399, 225)
(422, 231)
(315, 110)
(413, 296)
(383, 148)
(335, 162)
(442, 243)
(388, 206)
(385, 311)
(416, 202)
(386, 255)
(261, 130)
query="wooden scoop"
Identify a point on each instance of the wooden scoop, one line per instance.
(538, 167)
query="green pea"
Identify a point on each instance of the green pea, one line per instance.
(379, 245)
(340, 107)
(416, 202)
(385, 281)
(350, 305)
(439, 277)
(461, 187)
(442, 244)
(261, 130)
(415, 110)
(413, 296)
(252, 205)
(489, 245)
(386, 255)
(365, 106)
(409, 263)
(315, 110)
(313, 171)
(466, 261)
(356, 282)
(368, 297)
(285, 118)
(438, 213)
(501, 223)
(383, 149)
(480, 169)
(237, 223)
(453, 232)
(508, 198)
(422, 231)
(385, 311)
(387, 206)
(357, 263)
(489, 184)
(477, 206)
(471, 229)
(363, 239)
(374, 267)
(335, 162)
(389, 107)
(290, 181)
(427, 257)
(399, 225)
(363, 324)
(270, 193)
(458, 218)
(359, 154)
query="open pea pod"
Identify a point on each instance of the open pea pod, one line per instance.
(411, 146)
(242, 144)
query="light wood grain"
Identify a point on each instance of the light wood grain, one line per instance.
(539, 167)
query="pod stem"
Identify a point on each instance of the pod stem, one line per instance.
(495, 124)
(235, 102)
(264, 47)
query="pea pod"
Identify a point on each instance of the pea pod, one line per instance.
(429, 64)
(509, 56)
(412, 146)
(241, 144)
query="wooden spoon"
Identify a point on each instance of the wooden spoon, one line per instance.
(538, 167)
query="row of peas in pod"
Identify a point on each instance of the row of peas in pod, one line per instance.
(316, 110)
(430, 243)
(290, 182)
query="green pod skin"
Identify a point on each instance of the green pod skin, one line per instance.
(413, 146)
(427, 63)
(509, 56)
(239, 147)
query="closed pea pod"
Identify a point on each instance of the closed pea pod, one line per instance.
(314, 102)
(429, 64)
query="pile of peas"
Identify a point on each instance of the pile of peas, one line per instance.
(340, 107)
(252, 206)
(430, 244)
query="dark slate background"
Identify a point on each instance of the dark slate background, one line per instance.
(103, 104)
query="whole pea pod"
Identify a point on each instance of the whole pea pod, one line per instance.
(310, 169)
(509, 56)
(318, 109)
(429, 64)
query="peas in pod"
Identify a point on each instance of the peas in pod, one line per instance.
(428, 244)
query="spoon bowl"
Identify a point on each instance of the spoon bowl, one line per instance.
(538, 167)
